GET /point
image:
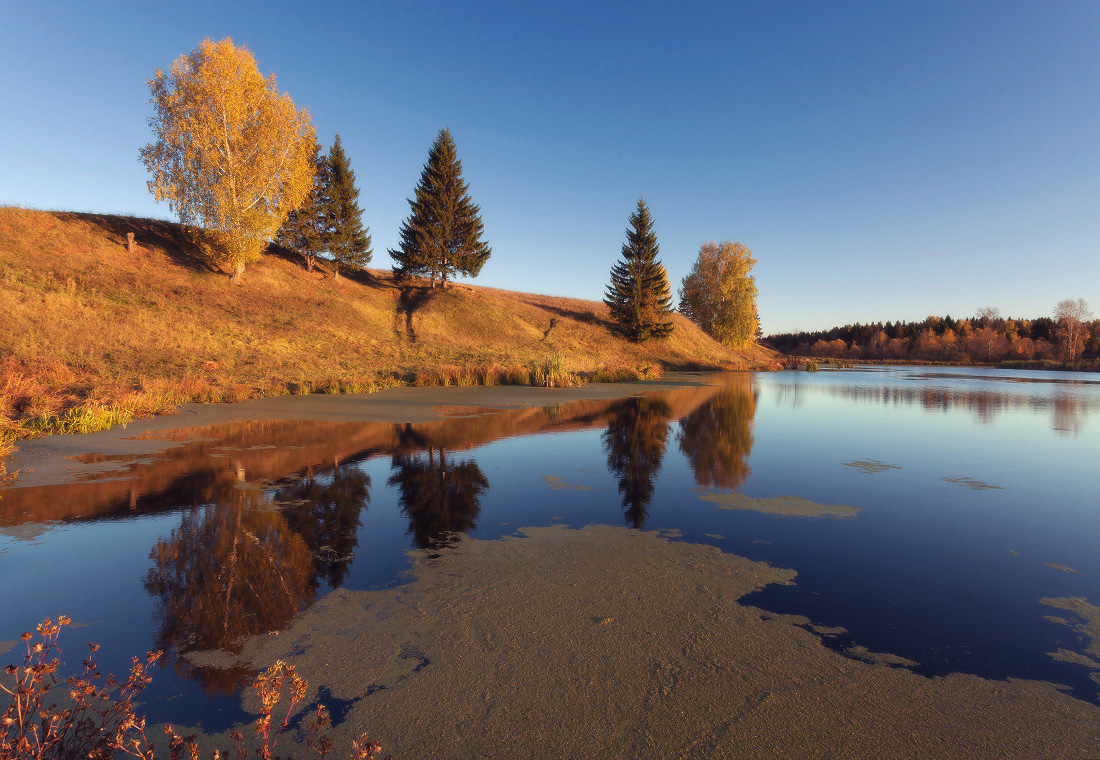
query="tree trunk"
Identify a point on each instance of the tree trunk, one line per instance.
(237, 272)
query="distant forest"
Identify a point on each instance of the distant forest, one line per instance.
(984, 339)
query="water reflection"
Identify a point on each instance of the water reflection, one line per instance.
(233, 568)
(1067, 402)
(716, 438)
(271, 513)
(326, 511)
(635, 443)
(440, 497)
(251, 522)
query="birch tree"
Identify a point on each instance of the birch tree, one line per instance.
(1072, 318)
(232, 154)
(719, 294)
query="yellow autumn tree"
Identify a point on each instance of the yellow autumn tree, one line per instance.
(232, 154)
(719, 294)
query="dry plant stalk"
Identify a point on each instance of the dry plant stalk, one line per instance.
(99, 722)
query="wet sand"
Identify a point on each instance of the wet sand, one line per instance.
(608, 642)
(49, 461)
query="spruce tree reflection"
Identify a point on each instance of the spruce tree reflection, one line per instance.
(439, 496)
(635, 442)
(233, 568)
(325, 510)
(716, 438)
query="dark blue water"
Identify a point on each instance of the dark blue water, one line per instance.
(978, 495)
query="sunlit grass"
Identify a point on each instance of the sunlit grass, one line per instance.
(94, 337)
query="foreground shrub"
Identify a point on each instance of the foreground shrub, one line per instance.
(98, 719)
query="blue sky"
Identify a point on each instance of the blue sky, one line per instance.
(884, 161)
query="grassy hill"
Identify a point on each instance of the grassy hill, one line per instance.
(92, 335)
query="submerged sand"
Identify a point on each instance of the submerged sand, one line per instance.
(607, 642)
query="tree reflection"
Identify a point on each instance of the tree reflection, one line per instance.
(439, 496)
(233, 568)
(716, 438)
(326, 512)
(635, 442)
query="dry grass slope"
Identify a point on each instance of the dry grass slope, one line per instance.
(93, 336)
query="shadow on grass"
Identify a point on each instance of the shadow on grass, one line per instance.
(586, 316)
(177, 243)
(412, 298)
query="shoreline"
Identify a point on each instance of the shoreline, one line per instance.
(50, 460)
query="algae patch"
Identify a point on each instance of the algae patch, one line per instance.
(871, 466)
(1088, 629)
(879, 658)
(617, 643)
(784, 506)
(556, 483)
(971, 483)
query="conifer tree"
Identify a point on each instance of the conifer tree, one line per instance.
(442, 235)
(639, 296)
(348, 242)
(305, 230)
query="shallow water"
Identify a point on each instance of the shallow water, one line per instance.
(926, 513)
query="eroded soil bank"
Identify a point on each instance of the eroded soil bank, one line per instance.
(609, 642)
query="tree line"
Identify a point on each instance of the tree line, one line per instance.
(1070, 335)
(236, 159)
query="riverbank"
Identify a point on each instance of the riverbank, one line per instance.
(74, 458)
(95, 335)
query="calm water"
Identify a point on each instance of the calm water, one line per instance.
(978, 495)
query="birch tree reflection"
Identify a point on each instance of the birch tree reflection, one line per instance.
(326, 511)
(635, 442)
(440, 497)
(233, 568)
(716, 438)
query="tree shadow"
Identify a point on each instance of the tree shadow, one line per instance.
(585, 316)
(409, 301)
(178, 242)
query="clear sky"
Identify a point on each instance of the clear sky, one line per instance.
(883, 160)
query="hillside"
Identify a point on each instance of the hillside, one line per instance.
(93, 335)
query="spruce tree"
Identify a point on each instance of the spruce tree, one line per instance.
(442, 235)
(349, 243)
(639, 296)
(305, 230)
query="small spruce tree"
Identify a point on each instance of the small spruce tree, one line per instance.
(348, 241)
(639, 295)
(442, 235)
(305, 230)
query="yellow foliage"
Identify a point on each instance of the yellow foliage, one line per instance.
(719, 294)
(232, 154)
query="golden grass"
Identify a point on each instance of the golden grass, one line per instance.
(93, 336)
